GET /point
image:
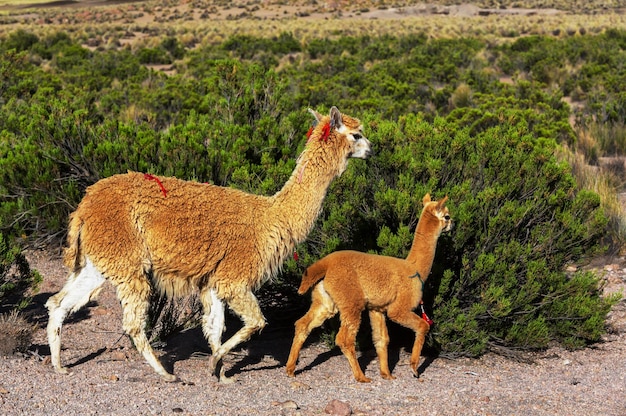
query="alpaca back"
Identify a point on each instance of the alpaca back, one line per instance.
(372, 273)
(180, 232)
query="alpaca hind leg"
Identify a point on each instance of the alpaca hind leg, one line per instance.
(380, 335)
(213, 319)
(246, 306)
(135, 300)
(346, 340)
(322, 308)
(80, 288)
(417, 324)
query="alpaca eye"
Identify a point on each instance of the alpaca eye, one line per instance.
(357, 136)
(447, 218)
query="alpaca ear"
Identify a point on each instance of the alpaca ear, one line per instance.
(426, 199)
(317, 115)
(335, 118)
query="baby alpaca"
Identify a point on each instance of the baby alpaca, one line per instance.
(353, 281)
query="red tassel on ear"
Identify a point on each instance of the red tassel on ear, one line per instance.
(325, 132)
(308, 133)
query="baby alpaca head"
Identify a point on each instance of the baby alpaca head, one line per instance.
(436, 214)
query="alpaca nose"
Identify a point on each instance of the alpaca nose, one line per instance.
(362, 148)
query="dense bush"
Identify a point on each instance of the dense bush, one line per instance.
(438, 117)
(17, 281)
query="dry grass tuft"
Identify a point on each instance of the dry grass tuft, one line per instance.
(603, 179)
(15, 334)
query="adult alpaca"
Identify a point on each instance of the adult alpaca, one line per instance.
(355, 281)
(140, 231)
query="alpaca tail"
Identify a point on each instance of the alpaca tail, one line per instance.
(313, 274)
(72, 256)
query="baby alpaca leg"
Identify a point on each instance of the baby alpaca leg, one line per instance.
(135, 300)
(417, 324)
(346, 339)
(79, 289)
(380, 336)
(322, 308)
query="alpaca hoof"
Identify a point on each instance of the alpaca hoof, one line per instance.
(364, 379)
(226, 380)
(63, 370)
(291, 373)
(388, 376)
(170, 378)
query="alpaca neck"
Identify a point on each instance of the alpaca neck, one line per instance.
(422, 252)
(299, 202)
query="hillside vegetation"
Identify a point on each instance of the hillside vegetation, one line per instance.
(484, 122)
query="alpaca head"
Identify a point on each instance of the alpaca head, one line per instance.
(436, 214)
(339, 137)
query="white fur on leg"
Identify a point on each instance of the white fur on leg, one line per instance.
(79, 289)
(213, 323)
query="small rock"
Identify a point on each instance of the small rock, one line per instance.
(338, 408)
(177, 410)
(3, 390)
(288, 404)
(297, 385)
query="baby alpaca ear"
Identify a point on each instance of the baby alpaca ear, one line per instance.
(426, 199)
(335, 118)
(442, 202)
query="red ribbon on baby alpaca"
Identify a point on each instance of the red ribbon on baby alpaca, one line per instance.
(158, 181)
(425, 317)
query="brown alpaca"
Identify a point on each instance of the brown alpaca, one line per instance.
(139, 231)
(355, 281)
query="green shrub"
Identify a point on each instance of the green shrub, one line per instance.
(498, 279)
(18, 282)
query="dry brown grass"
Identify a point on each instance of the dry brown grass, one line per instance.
(15, 333)
(310, 19)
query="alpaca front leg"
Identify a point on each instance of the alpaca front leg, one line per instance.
(418, 344)
(380, 336)
(419, 326)
(245, 305)
(213, 319)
